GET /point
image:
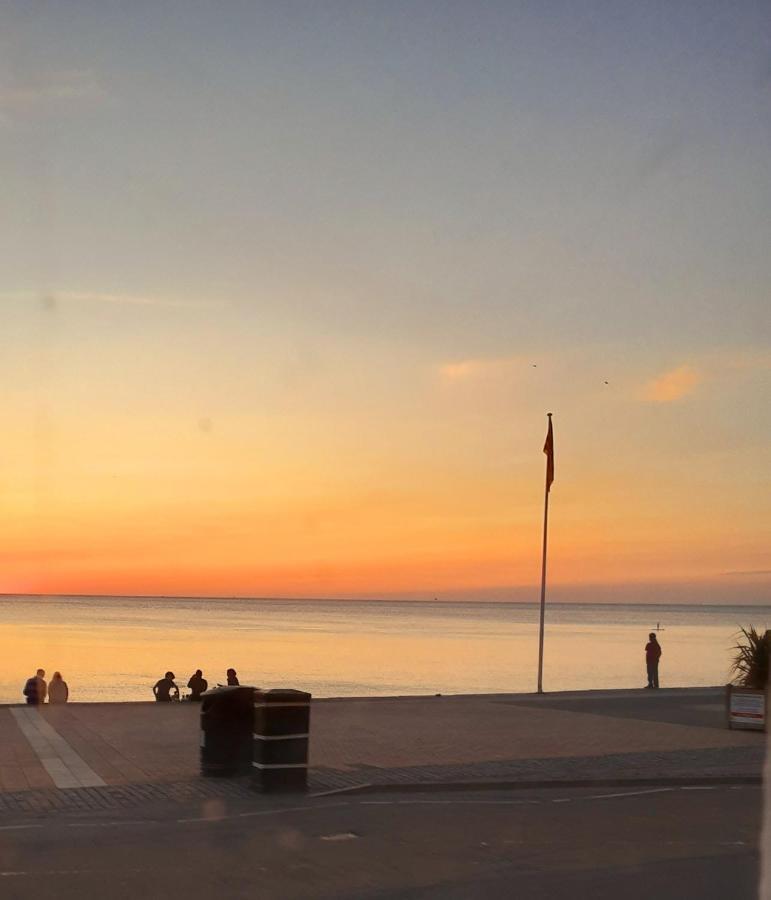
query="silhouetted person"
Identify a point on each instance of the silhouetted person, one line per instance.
(58, 692)
(652, 654)
(35, 689)
(232, 678)
(197, 685)
(163, 689)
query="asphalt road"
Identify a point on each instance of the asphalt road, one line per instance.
(673, 843)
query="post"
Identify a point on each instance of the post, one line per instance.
(543, 587)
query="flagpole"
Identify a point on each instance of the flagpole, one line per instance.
(547, 485)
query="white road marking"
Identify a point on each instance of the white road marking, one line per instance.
(287, 809)
(466, 802)
(198, 819)
(59, 872)
(66, 768)
(453, 802)
(698, 787)
(629, 794)
(261, 812)
(342, 790)
(326, 806)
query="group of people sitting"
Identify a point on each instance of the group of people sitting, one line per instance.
(36, 690)
(167, 691)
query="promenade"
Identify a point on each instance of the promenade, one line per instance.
(101, 756)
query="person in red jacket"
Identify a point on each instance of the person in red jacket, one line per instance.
(652, 655)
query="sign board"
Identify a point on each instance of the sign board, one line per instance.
(746, 709)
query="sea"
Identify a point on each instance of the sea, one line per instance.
(116, 648)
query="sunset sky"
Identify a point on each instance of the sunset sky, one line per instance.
(287, 290)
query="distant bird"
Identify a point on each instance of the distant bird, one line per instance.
(606, 382)
(534, 366)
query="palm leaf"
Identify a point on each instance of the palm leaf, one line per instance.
(750, 658)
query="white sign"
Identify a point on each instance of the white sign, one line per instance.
(747, 710)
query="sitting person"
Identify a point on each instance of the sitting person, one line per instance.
(35, 689)
(232, 678)
(197, 684)
(163, 689)
(58, 692)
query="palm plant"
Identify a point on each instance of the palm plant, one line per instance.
(750, 660)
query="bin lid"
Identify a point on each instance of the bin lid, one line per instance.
(281, 695)
(228, 689)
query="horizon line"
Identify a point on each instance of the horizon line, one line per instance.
(599, 602)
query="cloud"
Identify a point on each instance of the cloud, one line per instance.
(134, 300)
(52, 299)
(53, 87)
(47, 91)
(471, 369)
(673, 385)
(748, 360)
(677, 383)
(457, 371)
(750, 572)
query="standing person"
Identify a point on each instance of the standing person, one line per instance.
(197, 684)
(232, 678)
(35, 689)
(652, 655)
(58, 692)
(163, 689)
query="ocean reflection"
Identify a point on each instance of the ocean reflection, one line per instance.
(117, 648)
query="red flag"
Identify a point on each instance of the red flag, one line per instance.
(548, 449)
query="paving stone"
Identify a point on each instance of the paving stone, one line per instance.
(148, 753)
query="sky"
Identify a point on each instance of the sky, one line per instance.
(287, 290)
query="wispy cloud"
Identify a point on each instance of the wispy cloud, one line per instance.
(456, 371)
(471, 369)
(20, 99)
(750, 572)
(683, 380)
(673, 385)
(749, 360)
(52, 299)
(135, 300)
(51, 87)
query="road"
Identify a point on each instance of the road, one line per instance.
(676, 843)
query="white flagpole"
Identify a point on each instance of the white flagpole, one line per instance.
(543, 571)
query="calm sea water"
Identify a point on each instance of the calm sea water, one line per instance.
(115, 648)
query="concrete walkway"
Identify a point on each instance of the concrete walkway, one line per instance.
(61, 762)
(61, 755)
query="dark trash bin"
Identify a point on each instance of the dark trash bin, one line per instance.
(281, 733)
(226, 731)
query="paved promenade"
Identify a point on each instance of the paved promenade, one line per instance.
(94, 756)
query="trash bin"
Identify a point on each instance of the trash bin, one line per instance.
(281, 733)
(226, 731)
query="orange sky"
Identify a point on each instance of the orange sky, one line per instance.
(418, 484)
